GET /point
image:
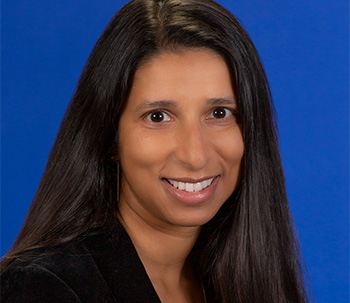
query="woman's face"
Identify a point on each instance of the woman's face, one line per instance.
(180, 144)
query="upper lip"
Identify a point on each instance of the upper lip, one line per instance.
(190, 180)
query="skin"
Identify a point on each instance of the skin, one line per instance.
(179, 123)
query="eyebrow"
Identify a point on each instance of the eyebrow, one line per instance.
(156, 104)
(222, 101)
(148, 104)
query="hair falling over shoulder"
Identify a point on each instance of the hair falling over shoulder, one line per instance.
(248, 252)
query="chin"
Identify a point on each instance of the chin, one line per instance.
(193, 220)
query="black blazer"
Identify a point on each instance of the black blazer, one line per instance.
(101, 267)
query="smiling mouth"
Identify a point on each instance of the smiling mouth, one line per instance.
(191, 187)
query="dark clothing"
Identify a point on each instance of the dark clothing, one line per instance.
(101, 267)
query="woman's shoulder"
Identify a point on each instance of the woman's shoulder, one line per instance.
(101, 266)
(30, 280)
(65, 273)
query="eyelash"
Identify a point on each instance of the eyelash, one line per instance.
(227, 111)
(148, 115)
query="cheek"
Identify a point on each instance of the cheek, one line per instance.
(141, 150)
(237, 149)
(230, 146)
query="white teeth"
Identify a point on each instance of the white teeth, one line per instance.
(191, 187)
(197, 187)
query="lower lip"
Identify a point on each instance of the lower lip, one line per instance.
(192, 198)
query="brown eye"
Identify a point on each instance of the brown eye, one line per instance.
(220, 113)
(158, 116)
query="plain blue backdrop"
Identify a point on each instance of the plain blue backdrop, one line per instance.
(304, 45)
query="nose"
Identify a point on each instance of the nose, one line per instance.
(192, 146)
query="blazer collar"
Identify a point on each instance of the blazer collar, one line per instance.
(120, 266)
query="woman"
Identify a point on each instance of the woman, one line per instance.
(165, 181)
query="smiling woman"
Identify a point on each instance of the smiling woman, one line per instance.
(181, 157)
(165, 181)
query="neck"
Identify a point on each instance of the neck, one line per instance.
(162, 248)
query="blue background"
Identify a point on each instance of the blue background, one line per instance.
(304, 45)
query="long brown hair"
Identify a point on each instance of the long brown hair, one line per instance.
(248, 252)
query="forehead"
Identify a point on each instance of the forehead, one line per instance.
(185, 55)
(187, 73)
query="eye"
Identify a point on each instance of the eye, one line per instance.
(220, 113)
(158, 116)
